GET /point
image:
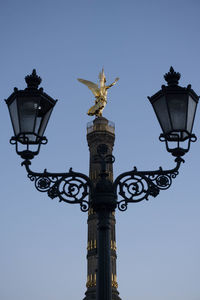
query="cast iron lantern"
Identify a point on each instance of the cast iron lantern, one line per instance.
(175, 108)
(30, 110)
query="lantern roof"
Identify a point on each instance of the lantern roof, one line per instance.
(172, 79)
(33, 81)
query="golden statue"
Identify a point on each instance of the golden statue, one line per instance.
(100, 94)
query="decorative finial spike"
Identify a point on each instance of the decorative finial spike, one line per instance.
(172, 77)
(33, 80)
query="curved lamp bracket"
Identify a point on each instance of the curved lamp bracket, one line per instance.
(71, 187)
(135, 186)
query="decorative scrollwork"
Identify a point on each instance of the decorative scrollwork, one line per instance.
(122, 205)
(135, 186)
(163, 181)
(43, 184)
(69, 187)
(84, 206)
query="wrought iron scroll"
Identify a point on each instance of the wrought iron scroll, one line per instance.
(71, 187)
(135, 186)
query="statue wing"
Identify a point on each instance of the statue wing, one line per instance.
(91, 85)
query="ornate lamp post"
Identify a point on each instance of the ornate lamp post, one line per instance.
(30, 110)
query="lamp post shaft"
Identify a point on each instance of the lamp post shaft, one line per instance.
(104, 203)
(104, 283)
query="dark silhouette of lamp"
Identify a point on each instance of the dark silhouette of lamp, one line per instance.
(30, 110)
(175, 108)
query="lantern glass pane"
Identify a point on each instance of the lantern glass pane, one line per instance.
(44, 122)
(162, 114)
(31, 138)
(14, 116)
(27, 114)
(191, 113)
(178, 111)
(37, 124)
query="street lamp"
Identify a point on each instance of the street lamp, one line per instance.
(30, 110)
(175, 108)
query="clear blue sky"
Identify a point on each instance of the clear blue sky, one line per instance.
(43, 242)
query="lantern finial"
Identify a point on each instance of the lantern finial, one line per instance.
(33, 80)
(172, 77)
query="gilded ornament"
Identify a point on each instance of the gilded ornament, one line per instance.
(100, 92)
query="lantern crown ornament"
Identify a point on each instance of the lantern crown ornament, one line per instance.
(172, 77)
(33, 80)
(175, 108)
(30, 110)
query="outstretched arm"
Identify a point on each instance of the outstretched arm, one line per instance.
(109, 86)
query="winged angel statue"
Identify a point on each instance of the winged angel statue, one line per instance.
(100, 94)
